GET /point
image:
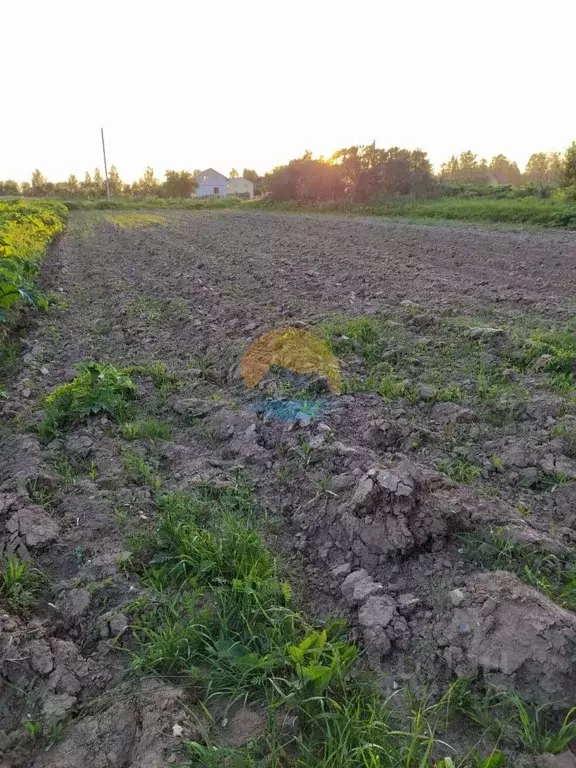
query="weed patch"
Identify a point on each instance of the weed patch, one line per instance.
(459, 470)
(554, 575)
(508, 717)
(40, 493)
(164, 380)
(158, 310)
(419, 357)
(149, 429)
(135, 220)
(20, 583)
(220, 618)
(566, 431)
(138, 470)
(98, 388)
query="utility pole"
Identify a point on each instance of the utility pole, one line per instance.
(105, 166)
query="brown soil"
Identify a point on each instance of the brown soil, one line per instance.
(378, 548)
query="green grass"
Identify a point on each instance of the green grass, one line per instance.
(138, 470)
(220, 619)
(165, 381)
(147, 429)
(99, 388)
(510, 719)
(566, 431)
(156, 310)
(20, 583)
(40, 493)
(460, 470)
(159, 203)
(530, 211)
(554, 575)
(412, 355)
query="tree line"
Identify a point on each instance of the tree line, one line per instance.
(175, 184)
(358, 173)
(367, 173)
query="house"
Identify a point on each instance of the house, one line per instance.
(210, 183)
(213, 184)
(241, 188)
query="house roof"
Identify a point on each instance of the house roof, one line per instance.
(211, 170)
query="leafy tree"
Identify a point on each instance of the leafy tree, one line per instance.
(450, 170)
(148, 184)
(568, 177)
(465, 168)
(306, 179)
(97, 183)
(9, 187)
(555, 167)
(368, 172)
(86, 185)
(251, 175)
(115, 182)
(504, 171)
(544, 168)
(537, 168)
(72, 186)
(255, 178)
(234, 173)
(38, 184)
(179, 184)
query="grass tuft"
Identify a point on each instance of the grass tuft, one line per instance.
(149, 429)
(460, 470)
(509, 718)
(20, 583)
(138, 470)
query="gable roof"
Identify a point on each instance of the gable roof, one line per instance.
(212, 171)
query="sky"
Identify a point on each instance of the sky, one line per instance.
(252, 83)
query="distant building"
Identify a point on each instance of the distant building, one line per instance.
(241, 188)
(214, 184)
(210, 183)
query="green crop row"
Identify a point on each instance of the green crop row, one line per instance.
(26, 228)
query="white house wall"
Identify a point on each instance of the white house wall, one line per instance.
(207, 182)
(240, 186)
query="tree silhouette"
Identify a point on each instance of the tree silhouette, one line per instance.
(148, 184)
(504, 171)
(38, 183)
(179, 184)
(97, 182)
(114, 181)
(568, 177)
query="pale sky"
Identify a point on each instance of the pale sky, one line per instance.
(253, 83)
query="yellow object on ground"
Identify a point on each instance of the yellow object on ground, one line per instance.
(295, 349)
